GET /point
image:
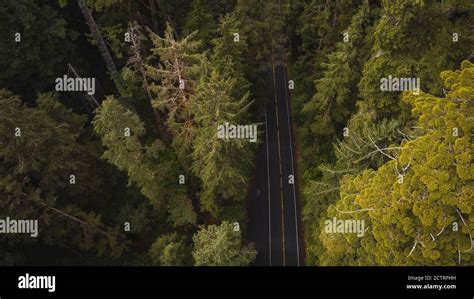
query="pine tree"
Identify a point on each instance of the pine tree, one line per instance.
(39, 154)
(325, 117)
(152, 167)
(202, 20)
(170, 250)
(176, 74)
(221, 245)
(320, 28)
(404, 48)
(229, 53)
(333, 101)
(214, 159)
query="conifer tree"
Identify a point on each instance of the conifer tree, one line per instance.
(229, 51)
(43, 165)
(214, 159)
(173, 82)
(152, 167)
(221, 245)
(202, 20)
(170, 250)
(336, 91)
(404, 48)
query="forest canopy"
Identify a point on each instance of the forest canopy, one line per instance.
(133, 172)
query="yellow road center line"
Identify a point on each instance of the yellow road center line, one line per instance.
(279, 164)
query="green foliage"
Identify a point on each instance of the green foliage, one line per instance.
(353, 155)
(329, 109)
(115, 37)
(404, 48)
(413, 221)
(177, 73)
(176, 84)
(202, 20)
(97, 5)
(35, 170)
(228, 55)
(254, 28)
(321, 24)
(57, 141)
(170, 250)
(331, 105)
(221, 245)
(198, 95)
(32, 63)
(214, 159)
(152, 168)
(389, 40)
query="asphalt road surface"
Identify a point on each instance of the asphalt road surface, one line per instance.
(273, 225)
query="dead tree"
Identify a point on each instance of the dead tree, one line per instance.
(154, 21)
(104, 51)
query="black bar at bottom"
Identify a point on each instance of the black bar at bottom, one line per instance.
(291, 282)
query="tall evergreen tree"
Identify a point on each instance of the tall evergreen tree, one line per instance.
(329, 109)
(152, 168)
(214, 159)
(202, 20)
(221, 245)
(173, 82)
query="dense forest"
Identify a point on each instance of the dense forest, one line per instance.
(134, 173)
(400, 161)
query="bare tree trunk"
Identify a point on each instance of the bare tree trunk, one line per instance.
(73, 218)
(153, 16)
(334, 16)
(91, 97)
(104, 51)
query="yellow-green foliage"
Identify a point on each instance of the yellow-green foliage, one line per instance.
(418, 207)
(221, 245)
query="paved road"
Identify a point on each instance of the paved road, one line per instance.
(273, 225)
